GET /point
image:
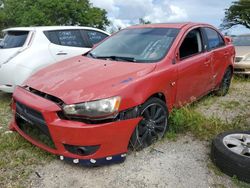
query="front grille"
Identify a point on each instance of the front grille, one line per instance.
(32, 123)
(238, 59)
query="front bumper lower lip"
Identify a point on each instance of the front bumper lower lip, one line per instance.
(96, 162)
(112, 137)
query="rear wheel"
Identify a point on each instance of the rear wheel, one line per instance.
(225, 83)
(153, 125)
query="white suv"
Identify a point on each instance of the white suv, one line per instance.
(23, 51)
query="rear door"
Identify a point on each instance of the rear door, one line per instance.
(220, 55)
(194, 68)
(67, 43)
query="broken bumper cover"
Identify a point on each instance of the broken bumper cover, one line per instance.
(111, 138)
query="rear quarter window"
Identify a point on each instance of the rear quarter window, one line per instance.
(95, 36)
(14, 39)
(71, 38)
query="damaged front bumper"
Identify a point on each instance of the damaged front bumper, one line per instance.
(78, 142)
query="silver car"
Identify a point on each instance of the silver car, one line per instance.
(242, 60)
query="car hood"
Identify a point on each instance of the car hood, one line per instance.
(81, 79)
(242, 50)
(6, 54)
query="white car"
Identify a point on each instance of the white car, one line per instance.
(23, 51)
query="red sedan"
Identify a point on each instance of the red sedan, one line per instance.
(89, 109)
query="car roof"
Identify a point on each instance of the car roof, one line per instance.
(177, 25)
(48, 28)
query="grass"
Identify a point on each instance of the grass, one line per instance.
(230, 105)
(240, 184)
(187, 119)
(17, 156)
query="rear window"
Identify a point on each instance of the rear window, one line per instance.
(14, 39)
(71, 38)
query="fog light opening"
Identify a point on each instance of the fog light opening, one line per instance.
(81, 151)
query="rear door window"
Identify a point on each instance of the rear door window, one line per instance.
(95, 36)
(71, 38)
(215, 40)
(14, 39)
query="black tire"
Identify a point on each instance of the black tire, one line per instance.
(228, 161)
(153, 125)
(225, 83)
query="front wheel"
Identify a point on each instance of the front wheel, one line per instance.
(153, 125)
(225, 83)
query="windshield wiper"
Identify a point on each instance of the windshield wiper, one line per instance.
(117, 58)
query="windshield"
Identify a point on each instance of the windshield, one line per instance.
(137, 45)
(14, 39)
(241, 41)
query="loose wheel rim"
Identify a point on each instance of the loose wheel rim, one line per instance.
(238, 143)
(153, 125)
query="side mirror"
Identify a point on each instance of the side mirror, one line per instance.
(228, 39)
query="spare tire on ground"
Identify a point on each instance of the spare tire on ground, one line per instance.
(231, 154)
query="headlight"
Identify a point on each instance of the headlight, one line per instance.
(99, 109)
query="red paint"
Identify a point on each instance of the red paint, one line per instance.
(81, 79)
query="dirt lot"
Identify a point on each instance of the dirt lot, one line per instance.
(180, 163)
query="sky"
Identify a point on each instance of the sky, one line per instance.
(123, 13)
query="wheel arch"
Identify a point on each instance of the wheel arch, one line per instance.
(158, 95)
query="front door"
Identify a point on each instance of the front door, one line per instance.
(194, 68)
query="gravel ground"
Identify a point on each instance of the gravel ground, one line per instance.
(183, 163)
(167, 164)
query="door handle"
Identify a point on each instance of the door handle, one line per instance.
(61, 53)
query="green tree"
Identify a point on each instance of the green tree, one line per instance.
(51, 12)
(237, 14)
